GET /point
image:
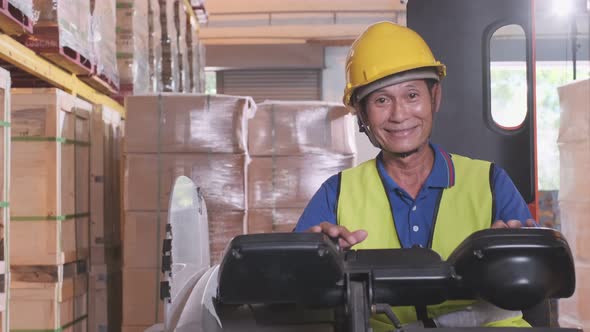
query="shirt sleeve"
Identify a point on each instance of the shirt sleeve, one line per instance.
(322, 206)
(508, 200)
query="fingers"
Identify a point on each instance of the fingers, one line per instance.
(499, 224)
(513, 223)
(345, 237)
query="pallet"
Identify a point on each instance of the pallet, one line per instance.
(57, 295)
(46, 42)
(13, 21)
(50, 181)
(101, 83)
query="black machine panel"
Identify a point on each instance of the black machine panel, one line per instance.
(459, 31)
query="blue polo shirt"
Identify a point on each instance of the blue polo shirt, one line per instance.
(413, 217)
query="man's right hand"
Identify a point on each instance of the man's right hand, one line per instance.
(346, 238)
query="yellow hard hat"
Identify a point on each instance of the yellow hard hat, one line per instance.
(387, 49)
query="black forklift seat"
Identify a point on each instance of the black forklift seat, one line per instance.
(514, 269)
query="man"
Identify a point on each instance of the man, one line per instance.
(413, 193)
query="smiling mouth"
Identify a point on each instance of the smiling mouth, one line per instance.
(401, 132)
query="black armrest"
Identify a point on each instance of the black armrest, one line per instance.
(515, 269)
(299, 268)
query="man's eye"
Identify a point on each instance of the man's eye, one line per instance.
(412, 95)
(380, 100)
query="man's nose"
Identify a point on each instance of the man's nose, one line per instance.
(397, 112)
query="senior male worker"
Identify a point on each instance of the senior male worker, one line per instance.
(413, 193)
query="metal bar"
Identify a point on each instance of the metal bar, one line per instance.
(22, 57)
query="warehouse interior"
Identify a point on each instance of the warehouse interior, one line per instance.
(137, 134)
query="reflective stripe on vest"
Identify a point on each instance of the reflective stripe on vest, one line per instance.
(463, 209)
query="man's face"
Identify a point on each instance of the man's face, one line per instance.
(400, 116)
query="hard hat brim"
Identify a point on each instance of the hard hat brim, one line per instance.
(410, 75)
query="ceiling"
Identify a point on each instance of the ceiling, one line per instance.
(279, 21)
(338, 22)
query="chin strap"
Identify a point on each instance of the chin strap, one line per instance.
(363, 128)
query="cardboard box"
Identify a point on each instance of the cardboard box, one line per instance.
(224, 226)
(290, 181)
(50, 177)
(142, 244)
(187, 123)
(142, 239)
(141, 297)
(300, 128)
(574, 162)
(574, 99)
(221, 178)
(273, 220)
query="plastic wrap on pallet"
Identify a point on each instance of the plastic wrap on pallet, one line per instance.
(173, 83)
(574, 196)
(198, 64)
(132, 45)
(290, 181)
(183, 49)
(189, 52)
(25, 6)
(273, 220)
(188, 123)
(155, 48)
(104, 39)
(72, 18)
(297, 128)
(220, 176)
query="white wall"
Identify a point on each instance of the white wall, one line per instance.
(333, 82)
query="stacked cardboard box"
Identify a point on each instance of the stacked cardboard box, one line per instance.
(105, 246)
(132, 46)
(104, 42)
(574, 196)
(50, 204)
(202, 137)
(4, 190)
(295, 147)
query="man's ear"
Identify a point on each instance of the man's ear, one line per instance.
(436, 94)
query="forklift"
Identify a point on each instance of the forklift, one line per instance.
(305, 282)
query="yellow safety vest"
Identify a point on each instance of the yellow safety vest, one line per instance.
(463, 209)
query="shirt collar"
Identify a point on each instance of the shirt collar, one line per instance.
(441, 176)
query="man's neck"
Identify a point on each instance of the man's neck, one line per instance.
(411, 171)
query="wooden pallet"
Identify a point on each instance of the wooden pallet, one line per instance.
(13, 21)
(50, 181)
(101, 83)
(46, 42)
